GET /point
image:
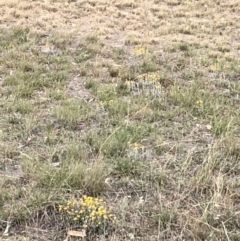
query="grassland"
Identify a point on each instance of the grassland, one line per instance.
(133, 102)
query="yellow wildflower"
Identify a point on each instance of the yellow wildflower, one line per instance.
(199, 102)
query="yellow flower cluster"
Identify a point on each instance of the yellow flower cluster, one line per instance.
(130, 83)
(147, 83)
(149, 77)
(88, 211)
(139, 50)
(158, 86)
(214, 67)
(137, 151)
(199, 102)
(136, 146)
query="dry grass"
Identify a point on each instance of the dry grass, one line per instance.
(136, 102)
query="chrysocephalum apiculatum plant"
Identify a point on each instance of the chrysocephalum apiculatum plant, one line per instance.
(88, 213)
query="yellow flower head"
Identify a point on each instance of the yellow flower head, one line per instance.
(199, 102)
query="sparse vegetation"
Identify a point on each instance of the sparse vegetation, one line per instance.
(128, 106)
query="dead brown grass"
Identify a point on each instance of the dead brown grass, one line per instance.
(160, 23)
